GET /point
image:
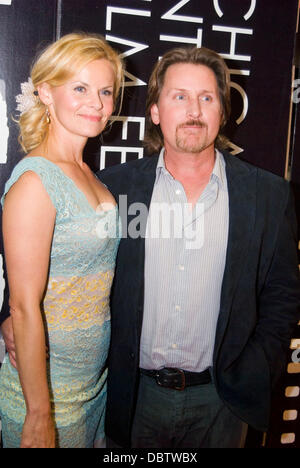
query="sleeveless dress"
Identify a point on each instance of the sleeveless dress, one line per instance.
(76, 315)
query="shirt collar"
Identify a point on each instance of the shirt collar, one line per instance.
(219, 168)
(161, 161)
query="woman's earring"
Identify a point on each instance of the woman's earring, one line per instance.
(48, 119)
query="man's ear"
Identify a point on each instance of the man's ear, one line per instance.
(45, 95)
(155, 114)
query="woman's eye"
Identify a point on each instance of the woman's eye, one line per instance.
(107, 92)
(80, 89)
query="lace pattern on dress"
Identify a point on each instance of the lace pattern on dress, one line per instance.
(76, 314)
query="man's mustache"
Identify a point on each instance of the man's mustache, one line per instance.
(192, 123)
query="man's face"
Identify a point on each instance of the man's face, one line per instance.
(188, 109)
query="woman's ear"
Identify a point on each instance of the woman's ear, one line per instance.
(45, 95)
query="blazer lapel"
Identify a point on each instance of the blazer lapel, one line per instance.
(143, 179)
(142, 182)
(242, 211)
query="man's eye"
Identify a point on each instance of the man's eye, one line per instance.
(179, 97)
(206, 98)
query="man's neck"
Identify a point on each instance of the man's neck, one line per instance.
(189, 166)
(193, 171)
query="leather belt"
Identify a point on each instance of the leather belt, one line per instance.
(177, 379)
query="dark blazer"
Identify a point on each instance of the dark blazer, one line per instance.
(259, 301)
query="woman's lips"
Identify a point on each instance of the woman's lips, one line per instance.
(92, 118)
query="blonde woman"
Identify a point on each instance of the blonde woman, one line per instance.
(60, 229)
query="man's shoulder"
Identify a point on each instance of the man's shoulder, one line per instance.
(239, 166)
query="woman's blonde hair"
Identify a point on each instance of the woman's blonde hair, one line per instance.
(56, 65)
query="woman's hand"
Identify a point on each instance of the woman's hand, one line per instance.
(38, 432)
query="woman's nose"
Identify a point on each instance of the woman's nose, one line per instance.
(96, 101)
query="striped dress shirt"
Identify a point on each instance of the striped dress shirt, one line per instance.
(185, 252)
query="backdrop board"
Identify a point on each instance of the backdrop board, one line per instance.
(24, 30)
(256, 38)
(295, 130)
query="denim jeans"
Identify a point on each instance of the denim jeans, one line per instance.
(193, 418)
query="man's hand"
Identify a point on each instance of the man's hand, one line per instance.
(8, 335)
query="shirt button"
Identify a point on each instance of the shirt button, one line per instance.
(174, 346)
(181, 267)
(177, 307)
(178, 192)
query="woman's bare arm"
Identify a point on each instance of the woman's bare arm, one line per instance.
(28, 223)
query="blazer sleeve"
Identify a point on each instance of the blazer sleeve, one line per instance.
(279, 297)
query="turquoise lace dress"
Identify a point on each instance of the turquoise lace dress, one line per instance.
(76, 314)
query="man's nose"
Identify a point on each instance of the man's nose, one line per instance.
(194, 109)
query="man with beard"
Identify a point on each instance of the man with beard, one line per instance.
(206, 289)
